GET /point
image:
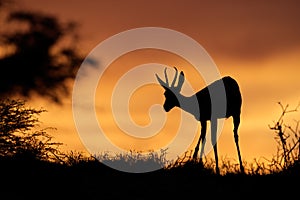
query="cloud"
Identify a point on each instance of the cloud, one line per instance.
(239, 29)
(248, 29)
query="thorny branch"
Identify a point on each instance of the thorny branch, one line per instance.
(289, 148)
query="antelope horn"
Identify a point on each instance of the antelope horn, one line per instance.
(161, 82)
(175, 77)
(167, 81)
(180, 81)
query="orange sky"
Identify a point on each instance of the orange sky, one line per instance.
(255, 42)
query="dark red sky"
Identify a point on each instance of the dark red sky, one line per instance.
(234, 29)
(255, 41)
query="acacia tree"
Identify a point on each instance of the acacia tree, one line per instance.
(39, 55)
(20, 136)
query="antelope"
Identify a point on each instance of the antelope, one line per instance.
(200, 106)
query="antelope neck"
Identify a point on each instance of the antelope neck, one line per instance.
(188, 104)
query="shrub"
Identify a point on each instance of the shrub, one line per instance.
(19, 136)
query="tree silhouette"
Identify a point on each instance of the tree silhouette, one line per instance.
(37, 58)
(19, 136)
(288, 140)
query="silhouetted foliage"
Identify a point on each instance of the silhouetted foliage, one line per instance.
(74, 175)
(39, 56)
(135, 161)
(288, 140)
(19, 136)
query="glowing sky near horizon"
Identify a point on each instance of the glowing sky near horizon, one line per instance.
(255, 42)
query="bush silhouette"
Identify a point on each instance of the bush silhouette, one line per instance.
(288, 142)
(27, 154)
(19, 136)
(135, 161)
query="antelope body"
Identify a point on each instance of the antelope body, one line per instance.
(200, 105)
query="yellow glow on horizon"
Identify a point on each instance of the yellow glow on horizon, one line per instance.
(139, 104)
(259, 107)
(7, 50)
(262, 55)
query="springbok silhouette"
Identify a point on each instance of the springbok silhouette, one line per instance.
(202, 111)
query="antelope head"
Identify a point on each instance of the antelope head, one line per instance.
(172, 92)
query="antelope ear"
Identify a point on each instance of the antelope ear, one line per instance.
(161, 82)
(180, 81)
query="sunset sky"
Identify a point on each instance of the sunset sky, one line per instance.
(255, 42)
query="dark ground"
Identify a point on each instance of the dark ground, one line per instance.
(42, 180)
